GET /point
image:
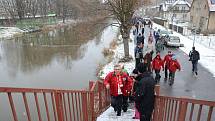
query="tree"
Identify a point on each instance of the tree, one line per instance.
(20, 8)
(123, 11)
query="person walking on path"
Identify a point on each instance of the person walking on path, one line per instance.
(167, 59)
(148, 58)
(115, 81)
(157, 64)
(194, 58)
(140, 39)
(173, 66)
(144, 96)
(138, 52)
(150, 46)
(137, 75)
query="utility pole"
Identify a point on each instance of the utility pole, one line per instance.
(194, 35)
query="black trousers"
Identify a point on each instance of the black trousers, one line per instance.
(125, 103)
(157, 75)
(166, 72)
(116, 103)
(145, 116)
(138, 61)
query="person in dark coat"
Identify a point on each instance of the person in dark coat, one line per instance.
(144, 96)
(194, 58)
(138, 54)
(140, 39)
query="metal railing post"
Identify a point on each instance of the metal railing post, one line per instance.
(84, 106)
(92, 106)
(182, 111)
(59, 106)
(157, 89)
(100, 95)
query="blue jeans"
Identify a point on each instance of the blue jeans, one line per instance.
(194, 66)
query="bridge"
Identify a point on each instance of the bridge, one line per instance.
(29, 104)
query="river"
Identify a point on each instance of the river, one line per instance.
(63, 58)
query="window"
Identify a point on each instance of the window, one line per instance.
(205, 6)
(183, 8)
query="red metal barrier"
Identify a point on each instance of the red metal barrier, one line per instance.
(183, 109)
(55, 105)
(73, 105)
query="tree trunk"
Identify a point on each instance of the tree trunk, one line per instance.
(125, 36)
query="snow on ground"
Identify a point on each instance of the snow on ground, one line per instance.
(8, 32)
(119, 53)
(110, 115)
(207, 54)
(207, 41)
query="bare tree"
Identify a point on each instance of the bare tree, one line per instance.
(123, 11)
(9, 7)
(20, 5)
(31, 7)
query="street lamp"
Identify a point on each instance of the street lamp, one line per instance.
(194, 32)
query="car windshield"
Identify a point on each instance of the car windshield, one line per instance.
(174, 39)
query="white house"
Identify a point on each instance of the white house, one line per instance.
(175, 10)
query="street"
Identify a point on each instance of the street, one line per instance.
(187, 85)
(200, 87)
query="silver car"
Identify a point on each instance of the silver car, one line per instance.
(173, 41)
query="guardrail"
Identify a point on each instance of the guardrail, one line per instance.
(29, 104)
(183, 109)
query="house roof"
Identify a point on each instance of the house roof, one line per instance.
(211, 4)
(181, 2)
(165, 5)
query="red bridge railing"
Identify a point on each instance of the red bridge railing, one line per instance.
(183, 109)
(21, 104)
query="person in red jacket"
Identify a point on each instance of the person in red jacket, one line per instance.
(126, 91)
(157, 64)
(173, 66)
(116, 82)
(167, 59)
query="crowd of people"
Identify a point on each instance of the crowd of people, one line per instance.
(139, 85)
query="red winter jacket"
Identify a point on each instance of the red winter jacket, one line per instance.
(174, 65)
(157, 63)
(128, 84)
(118, 80)
(167, 59)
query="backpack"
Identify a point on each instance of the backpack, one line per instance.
(194, 56)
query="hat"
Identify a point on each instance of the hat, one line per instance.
(141, 68)
(174, 57)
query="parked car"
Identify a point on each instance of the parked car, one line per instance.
(173, 41)
(165, 33)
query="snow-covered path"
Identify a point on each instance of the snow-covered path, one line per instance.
(110, 115)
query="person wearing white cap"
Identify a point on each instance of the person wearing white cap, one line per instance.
(173, 66)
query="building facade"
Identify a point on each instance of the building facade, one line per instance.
(202, 15)
(175, 10)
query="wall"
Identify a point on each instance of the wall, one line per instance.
(199, 10)
(211, 25)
